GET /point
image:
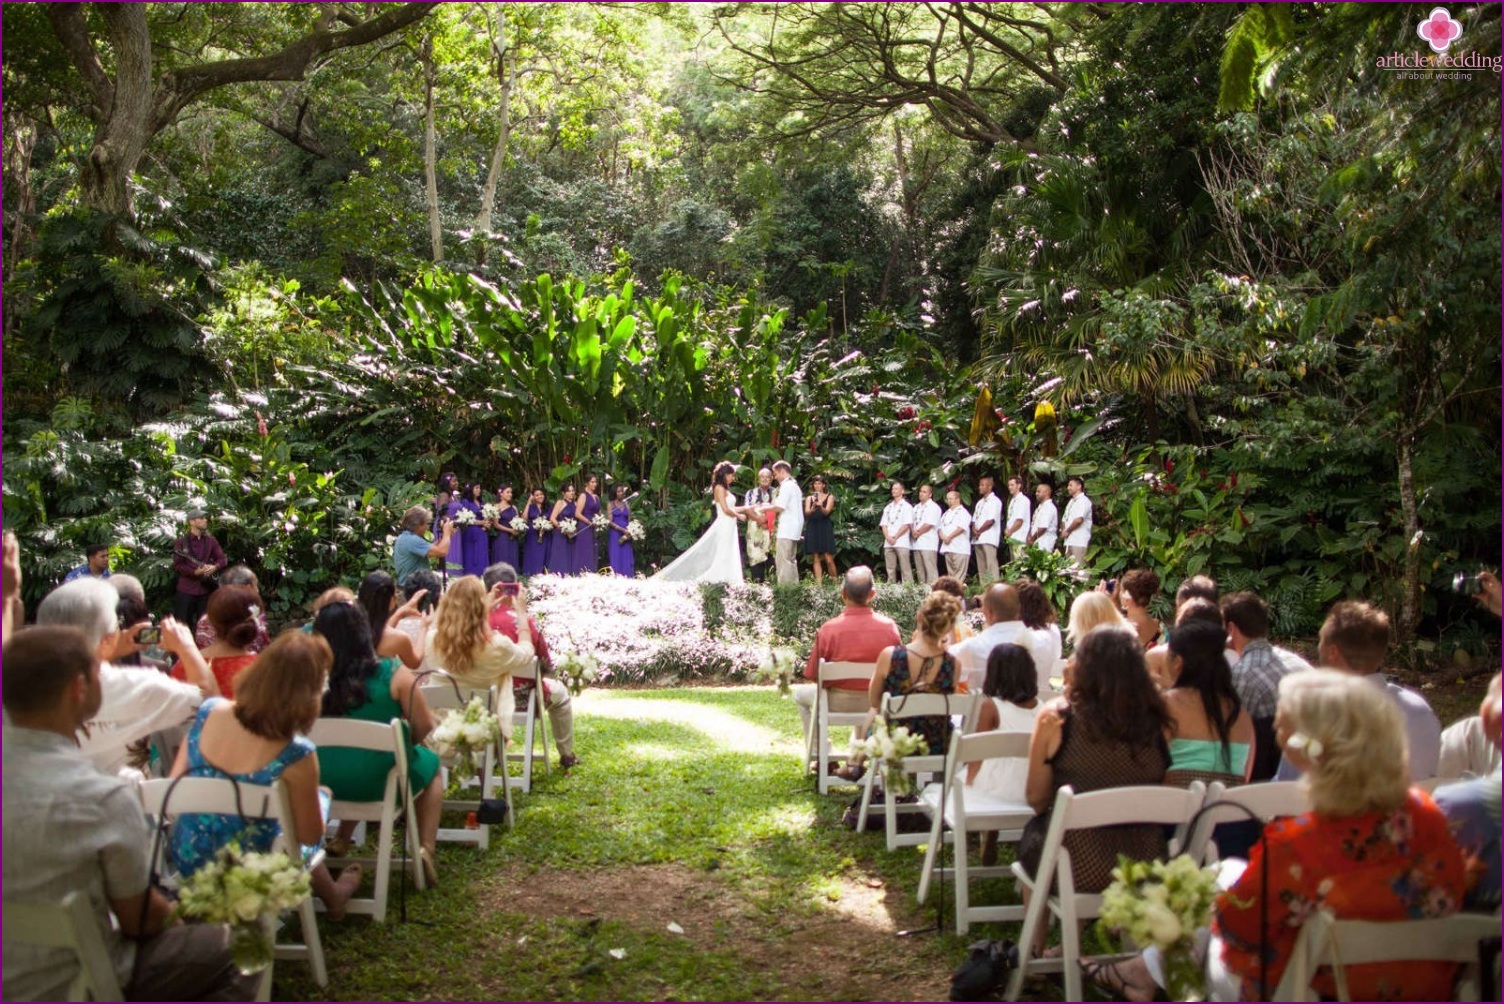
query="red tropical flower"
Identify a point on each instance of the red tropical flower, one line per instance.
(906, 412)
(261, 425)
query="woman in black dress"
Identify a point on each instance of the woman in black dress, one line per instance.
(819, 532)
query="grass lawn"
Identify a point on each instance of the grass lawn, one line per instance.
(689, 809)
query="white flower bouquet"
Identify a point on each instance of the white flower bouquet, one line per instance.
(242, 888)
(777, 666)
(635, 530)
(601, 521)
(577, 671)
(465, 517)
(542, 524)
(519, 524)
(462, 733)
(490, 511)
(889, 747)
(1162, 903)
(568, 527)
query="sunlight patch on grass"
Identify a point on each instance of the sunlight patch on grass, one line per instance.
(654, 751)
(728, 731)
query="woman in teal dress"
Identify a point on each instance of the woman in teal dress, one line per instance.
(371, 689)
(1212, 736)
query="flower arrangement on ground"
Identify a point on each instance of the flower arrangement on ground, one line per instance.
(464, 732)
(777, 666)
(888, 747)
(244, 889)
(1162, 903)
(578, 671)
(568, 527)
(465, 517)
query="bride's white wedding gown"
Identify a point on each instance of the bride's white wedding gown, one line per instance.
(715, 557)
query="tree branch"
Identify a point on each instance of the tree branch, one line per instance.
(67, 20)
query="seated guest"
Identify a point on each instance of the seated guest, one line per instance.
(68, 827)
(1371, 848)
(236, 575)
(1088, 612)
(96, 564)
(257, 739)
(1467, 750)
(135, 702)
(923, 666)
(1354, 639)
(1257, 673)
(1000, 611)
(378, 598)
(135, 622)
(1195, 609)
(233, 611)
(368, 688)
(1135, 591)
(431, 586)
(1043, 621)
(334, 594)
(1472, 811)
(1211, 736)
(463, 644)
(857, 634)
(950, 584)
(556, 699)
(1011, 706)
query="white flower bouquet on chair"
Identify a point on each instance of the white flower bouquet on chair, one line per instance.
(777, 666)
(462, 733)
(887, 748)
(244, 889)
(1164, 904)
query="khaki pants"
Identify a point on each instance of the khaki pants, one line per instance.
(927, 566)
(986, 563)
(785, 557)
(1077, 553)
(841, 700)
(955, 565)
(898, 556)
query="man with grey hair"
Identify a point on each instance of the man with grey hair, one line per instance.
(759, 530)
(555, 695)
(135, 701)
(857, 634)
(412, 551)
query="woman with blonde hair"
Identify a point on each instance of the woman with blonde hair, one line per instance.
(1091, 610)
(463, 644)
(923, 666)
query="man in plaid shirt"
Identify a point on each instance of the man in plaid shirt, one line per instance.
(1257, 673)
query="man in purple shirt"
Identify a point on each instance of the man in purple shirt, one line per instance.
(196, 557)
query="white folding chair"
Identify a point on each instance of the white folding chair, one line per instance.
(956, 811)
(1266, 800)
(222, 796)
(895, 711)
(396, 802)
(1326, 941)
(817, 743)
(71, 925)
(443, 694)
(533, 721)
(1053, 887)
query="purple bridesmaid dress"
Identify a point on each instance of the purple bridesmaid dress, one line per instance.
(475, 548)
(618, 547)
(454, 561)
(560, 547)
(534, 544)
(585, 558)
(504, 545)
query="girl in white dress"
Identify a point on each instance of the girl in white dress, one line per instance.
(717, 555)
(1012, 691)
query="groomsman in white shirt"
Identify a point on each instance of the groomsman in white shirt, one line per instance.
(1077, 530)
(897, 524)
(789, 505)
(926, 538)
(1020, 512)
(955, 536)
(1046, 518)
(986, 529)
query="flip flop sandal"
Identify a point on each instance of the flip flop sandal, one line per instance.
(1108, 979)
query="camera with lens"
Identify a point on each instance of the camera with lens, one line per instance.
(1467, 585)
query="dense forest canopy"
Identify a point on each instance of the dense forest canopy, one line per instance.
(296, 259)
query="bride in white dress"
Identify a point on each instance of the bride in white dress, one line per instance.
(717, 555)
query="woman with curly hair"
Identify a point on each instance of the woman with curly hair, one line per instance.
(717, 555)
(1135, 591)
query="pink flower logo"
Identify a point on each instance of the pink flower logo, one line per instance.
(1439, 29)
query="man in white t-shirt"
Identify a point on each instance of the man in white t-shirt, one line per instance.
(789, 505)
(986, 528)
(1077, 530)
(926, 537)
(1020, 512)
(897, 525)
(1000, 609)
(955, 536)
(1046, 519)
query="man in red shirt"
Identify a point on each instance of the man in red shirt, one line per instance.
(555, 694)
(857, 634)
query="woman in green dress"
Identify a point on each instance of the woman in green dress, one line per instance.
(369, 688)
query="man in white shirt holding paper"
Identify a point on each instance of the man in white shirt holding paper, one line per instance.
(1046, 518)
(986, 529)
(1020, 512)
(926, 545)
(789, 505)
(955, 536)
(1077, 530)
(897, 524)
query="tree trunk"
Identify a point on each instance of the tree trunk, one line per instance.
(431, 155)
(1409, 619)
(505, 72)
(121, 137)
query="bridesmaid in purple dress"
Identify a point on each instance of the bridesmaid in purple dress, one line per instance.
(561, 549)
(618, 546)
(535, 544)
(475, 546)
(586, 557)
(447, 506)
(504, 545)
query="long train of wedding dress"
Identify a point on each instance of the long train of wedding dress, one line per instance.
(715, 557)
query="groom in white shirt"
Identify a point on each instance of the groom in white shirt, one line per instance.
(789, 505)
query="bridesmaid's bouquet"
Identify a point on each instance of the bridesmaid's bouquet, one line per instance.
(601, 521)
(465, 517)
(519, 524)
(542, 524)
(491, 511)
(635, 530)
(568, 527)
